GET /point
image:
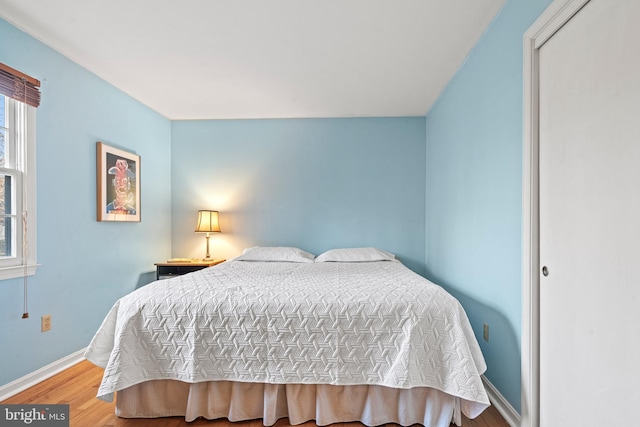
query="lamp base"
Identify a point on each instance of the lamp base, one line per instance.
(208, 256)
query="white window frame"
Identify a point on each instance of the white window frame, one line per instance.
(21, 120)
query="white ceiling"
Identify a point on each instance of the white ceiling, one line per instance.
(223, 59)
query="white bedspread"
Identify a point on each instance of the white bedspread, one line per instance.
(310, 323)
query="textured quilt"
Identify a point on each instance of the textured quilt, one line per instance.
(374, 323)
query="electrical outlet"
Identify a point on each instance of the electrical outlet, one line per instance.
(485, 334)
(46, 323)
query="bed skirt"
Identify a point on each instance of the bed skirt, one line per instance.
(325, 404)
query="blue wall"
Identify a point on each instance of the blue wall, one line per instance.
(311, 183)
(85, 265)
(474, 196)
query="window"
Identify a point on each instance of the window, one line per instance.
(17, 188)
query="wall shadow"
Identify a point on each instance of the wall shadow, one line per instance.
(145, 278)
(502, 352)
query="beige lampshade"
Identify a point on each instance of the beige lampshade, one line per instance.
(207, 222)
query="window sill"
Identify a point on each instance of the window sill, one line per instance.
(17, 271)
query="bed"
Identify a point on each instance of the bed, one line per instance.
(350, 335)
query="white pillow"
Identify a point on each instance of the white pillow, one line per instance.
(275, 254)
(355, 255)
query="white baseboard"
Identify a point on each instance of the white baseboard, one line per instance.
(15, 387)
(510, 415)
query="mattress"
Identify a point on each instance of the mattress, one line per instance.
(333, 323)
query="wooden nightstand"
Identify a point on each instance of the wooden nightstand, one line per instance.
(166, 270)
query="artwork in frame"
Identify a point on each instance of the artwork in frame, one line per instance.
(118, 179)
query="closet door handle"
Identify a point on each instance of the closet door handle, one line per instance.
(545, 271)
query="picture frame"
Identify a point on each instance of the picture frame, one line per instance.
(118, 184)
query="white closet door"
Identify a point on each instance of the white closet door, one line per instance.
(590, 218)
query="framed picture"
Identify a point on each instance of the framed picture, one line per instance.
(118, 189)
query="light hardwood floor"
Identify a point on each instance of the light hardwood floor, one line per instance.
(78, 386)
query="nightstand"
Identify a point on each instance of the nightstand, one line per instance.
(166, 270)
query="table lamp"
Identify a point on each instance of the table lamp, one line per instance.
(207, 223)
